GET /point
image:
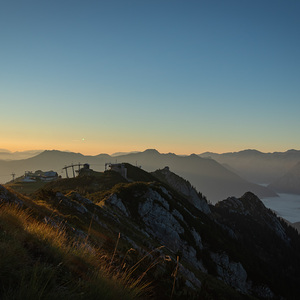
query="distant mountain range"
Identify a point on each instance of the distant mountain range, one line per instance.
(209, 177)
(257, 166)
(8, 155)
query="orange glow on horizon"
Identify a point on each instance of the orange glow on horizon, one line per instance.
(95, 149)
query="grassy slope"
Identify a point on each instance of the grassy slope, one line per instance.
(43, 260)
(26, 188)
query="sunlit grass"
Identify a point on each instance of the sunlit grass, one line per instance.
(44, 261)
(26, 187)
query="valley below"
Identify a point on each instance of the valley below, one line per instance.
(286, 206)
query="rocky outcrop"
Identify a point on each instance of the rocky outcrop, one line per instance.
(117, 202)
(8, 197)
(75, 204)
(183, 187)
(155, 212)
(162, 222)
(233, 273)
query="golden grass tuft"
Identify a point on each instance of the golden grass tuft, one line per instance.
(46, 258)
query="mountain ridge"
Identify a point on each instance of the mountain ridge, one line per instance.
(203, 173)
(256, 166)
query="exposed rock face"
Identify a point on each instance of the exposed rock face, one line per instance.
(163, 223)
(246, 221)
(183, 187)
(8, 197)
(192, 281)
(115, 201)
(232, 273)
(77, 197)
(159, 222)
(263, 292)
(75, 204)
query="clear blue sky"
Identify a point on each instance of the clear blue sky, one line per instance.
(178, 76)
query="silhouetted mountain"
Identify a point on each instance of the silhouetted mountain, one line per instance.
(50, 160)
(257, 166)
(289, 182)
(212, 179)
(8, 155)
(266, 238)
(297, 226)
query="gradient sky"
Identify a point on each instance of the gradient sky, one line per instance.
(179, 76)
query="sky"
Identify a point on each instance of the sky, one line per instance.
(178, 76)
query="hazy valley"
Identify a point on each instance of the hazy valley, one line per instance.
(257, 166)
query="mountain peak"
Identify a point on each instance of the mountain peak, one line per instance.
(58, 152)
(247, 204)
(151, 151)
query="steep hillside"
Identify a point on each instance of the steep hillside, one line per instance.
(272, 243)
(100, 236)
(45, 255)
(183, 187)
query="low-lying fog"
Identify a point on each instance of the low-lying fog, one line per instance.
(286, 206)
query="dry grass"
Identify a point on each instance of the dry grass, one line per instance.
(41, 259)
(174, 274)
